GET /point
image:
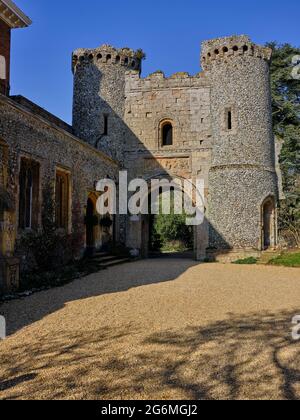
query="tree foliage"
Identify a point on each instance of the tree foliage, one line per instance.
(286, 120)
(170, 231)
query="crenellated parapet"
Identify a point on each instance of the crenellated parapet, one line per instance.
(107, 55)
(223, 49)
(158, 80)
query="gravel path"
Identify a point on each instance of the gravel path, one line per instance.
(158, 329)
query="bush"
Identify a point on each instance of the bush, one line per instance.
(47, 248)
(247, 261)
(171, 232)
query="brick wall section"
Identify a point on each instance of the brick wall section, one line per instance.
(5, 40)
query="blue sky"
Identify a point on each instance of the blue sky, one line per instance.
(169, 31)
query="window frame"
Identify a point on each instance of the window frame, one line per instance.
(229, 121)
(65, 200)
(3, 68)
(162, 125)
(29, 211)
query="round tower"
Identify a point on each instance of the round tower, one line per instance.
(242, 176)
(99, 96)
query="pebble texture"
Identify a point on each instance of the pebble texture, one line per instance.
(236, 162)
(242, 174)
(99, 88)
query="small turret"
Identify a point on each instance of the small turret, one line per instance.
(225, 49)
(243, 174)
(99, 96)
(106, 55)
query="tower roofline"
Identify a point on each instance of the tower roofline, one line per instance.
(106, 54)
(223, 49)
(12, 15)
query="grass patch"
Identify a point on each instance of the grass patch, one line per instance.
(247, 261)
(287, 260)
(174, 247)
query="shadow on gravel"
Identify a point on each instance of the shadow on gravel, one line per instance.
(16, 381)
(23, 312)
(250, 357)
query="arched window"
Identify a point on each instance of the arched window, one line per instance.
(2, 68)
(167, 133)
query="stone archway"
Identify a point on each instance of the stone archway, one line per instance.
(139, 234)
(268, 223)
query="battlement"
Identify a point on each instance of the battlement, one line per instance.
(107, 55)
(230, 47)
(158, 80)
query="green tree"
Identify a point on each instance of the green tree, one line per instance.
(286, 120)
(170, 232)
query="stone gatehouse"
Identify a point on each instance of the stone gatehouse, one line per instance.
(215, 126)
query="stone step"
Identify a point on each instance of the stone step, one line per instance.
(115, 262)
(99, 254)
(266, 256)
(105, 259)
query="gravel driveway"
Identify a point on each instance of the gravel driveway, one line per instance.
(157, 329)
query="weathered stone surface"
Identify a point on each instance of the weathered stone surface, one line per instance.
(221, 130)
(25, 133)
(235, 159)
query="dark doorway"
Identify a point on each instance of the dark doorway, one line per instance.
(268, 224)
(167, 134)
(90, 237)
(145, 237)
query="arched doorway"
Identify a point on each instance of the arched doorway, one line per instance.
(167, 233)
(268, 224)
(139, 227)
(90, 226)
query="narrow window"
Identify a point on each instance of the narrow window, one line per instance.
(62, 200)
(229, 120)
(167, 134)
(105, 130)
(29, 194)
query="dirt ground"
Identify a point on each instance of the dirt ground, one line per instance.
(157, 329)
